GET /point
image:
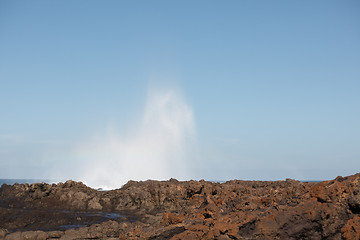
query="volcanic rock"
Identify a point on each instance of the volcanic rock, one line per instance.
(173, 209)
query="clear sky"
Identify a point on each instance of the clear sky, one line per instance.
(192, 89)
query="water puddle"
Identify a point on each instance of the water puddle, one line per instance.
(85, 219)
(111, 216)
(66, 227)
(51, 220)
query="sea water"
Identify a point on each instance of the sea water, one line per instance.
(30, 181)
(22, 181)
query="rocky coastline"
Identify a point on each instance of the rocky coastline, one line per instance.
(174, 209)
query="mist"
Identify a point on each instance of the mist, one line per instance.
(158, 146)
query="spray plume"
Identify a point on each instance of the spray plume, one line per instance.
(157, 149)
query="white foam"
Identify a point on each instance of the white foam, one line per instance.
(157, 149)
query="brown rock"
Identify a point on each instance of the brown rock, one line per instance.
(34, 235)
(187, 210)
(3, 233)
(351, 230)
(14, 236)
(55, 234)
(94, 204)
(170, 218)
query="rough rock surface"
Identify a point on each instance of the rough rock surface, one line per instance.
(183, 210)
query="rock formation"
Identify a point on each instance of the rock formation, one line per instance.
(184, 210)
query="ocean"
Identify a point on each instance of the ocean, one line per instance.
(12, 181)
(29, 181)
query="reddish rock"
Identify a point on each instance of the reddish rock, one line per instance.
(351, 230)
(170, 218)
(185, 210)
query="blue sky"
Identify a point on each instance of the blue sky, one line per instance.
(272, 87)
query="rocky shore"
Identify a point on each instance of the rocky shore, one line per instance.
(183, 210)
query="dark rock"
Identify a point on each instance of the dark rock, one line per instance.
(183, 210)
(354, 204)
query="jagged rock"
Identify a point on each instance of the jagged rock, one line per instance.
(3, 233)
(351, 230)
(34, 235)
(55, 234)
(94, 204)
(170, 218)
(14, 236)
(186, 210)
